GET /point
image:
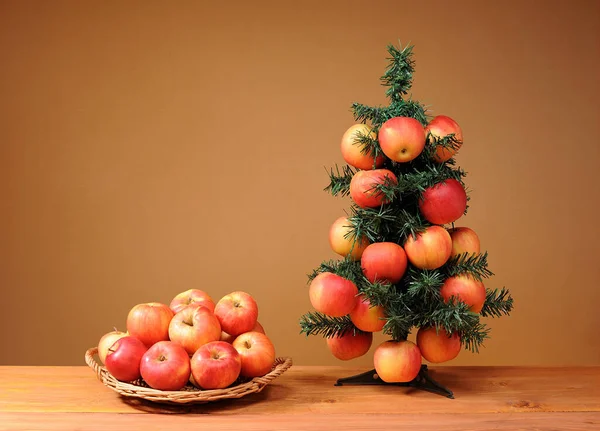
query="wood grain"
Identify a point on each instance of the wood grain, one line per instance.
(432, 422)
(486, 397)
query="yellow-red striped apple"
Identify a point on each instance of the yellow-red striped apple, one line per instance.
(402, 139)
(440, 127)
(397, 361)
(166, 366)
(383, 261)
(350, 345)
(352, 149)
(237, 312)
(431, 248)
(229, 338)
(363, 187)
(367, 317)
(344, 243)
(464, 240)
(192, 296)
(124, 358)
(333, 295)
(149, 322)
(215, 365)
(108, 340)
(466, 289)
(194, 326)
(256, 352)
(443, 202)
(437, 346)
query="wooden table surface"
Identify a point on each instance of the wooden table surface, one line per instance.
(303, 398)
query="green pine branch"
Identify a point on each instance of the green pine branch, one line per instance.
(345, 268)
(408, 224)
(386, 223)
(473, 337)
(399, 72)
(415, 301)
(369, 146)
(316, 323)
(448, 142)
(468, 263)
(389, 189)
(370, 222)
(430, 174)
(377, 115)
(339, 182)
(424, 284)
(398, 326)
(380, 293)
(415, 181)
(497, 303)
(455, 317)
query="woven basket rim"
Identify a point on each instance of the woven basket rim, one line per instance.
(138, 390)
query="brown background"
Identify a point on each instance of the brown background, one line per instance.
(152, 147)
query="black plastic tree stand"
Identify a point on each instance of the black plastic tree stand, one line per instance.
(422, 382)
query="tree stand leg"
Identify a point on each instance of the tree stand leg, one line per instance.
(422, 382)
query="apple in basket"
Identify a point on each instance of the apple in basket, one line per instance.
(215, 365)
(256, 352)
(124, 357)
(229, 338)
(108, 340)
(237, 313)
(191, 296)
(166, 366)
(149, 322)
(194, 326)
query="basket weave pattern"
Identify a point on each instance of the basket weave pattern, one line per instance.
(189, 394)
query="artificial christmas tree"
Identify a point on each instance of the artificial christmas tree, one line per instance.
(403, 263)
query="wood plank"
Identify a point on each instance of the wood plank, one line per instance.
(424, 422)
(303, 390)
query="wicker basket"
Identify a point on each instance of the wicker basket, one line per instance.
(189, 394)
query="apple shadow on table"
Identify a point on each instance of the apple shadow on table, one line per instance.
(231, 404)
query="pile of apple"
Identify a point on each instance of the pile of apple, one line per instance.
(191, 340)
(402, 139)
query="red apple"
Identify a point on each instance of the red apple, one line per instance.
(443, 202)
(440, 127)
(149, 322)
(166, 366)
(431, 249)
(256, 352)
(346, 245)
(367, 317)
(108, 340)
(215, 365)
(194, 326)
(237, 312)
(464, 240)
(350, 345)
(383, 261)
(352, 149)
(333, 295)
(438, 346)
(124, 357)
(397, 361)
(363, 187)
(191, 296)
(402, 139)
(466, 289)
(229, 338)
